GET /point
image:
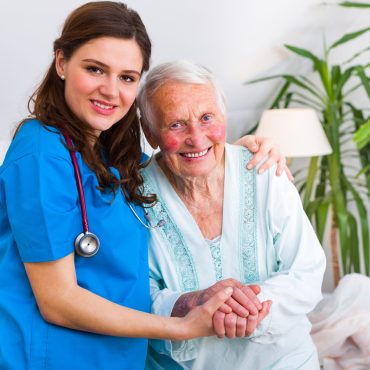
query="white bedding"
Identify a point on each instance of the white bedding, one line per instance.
(341, 325)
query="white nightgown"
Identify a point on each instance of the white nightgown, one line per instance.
(266, 239)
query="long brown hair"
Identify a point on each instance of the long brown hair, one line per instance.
(121, 143)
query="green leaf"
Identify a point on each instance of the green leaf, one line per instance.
(364, 79)
(341, 213)
(321, 217)
(280, 95)
(312, 169)
(288, 99)
(353, 264)
(343, 79)
(352, 89)
(312, 208)
(289, 79)
(348, 37)
(364, 220)
(335, 73)
(294, 80)
(353, 4)
(358, 117)
(309, 101)
(317, 62)
(363, 171)
(302, 52)
(319, 65)
(362, 135)
(356, 55)
(263, 79)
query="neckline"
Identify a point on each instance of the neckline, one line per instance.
(165, 183)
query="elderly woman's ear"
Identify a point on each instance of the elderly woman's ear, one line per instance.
(151, 139)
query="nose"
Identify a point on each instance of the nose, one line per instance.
(109, 87)
(195, 136)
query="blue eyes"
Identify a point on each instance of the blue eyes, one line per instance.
(176, 125)
(206, 118)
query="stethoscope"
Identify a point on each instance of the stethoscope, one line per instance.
(87, 244)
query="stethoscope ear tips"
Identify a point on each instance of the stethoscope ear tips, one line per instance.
(147, 216)
(149, 220)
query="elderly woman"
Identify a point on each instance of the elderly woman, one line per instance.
(219, 224)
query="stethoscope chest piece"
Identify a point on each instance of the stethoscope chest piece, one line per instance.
(87, 244)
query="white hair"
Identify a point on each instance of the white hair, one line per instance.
(182, 71)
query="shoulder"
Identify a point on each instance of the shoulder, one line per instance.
(35, 139)
(236, 160)
(268, 184)
(237, 151)
(277, 193)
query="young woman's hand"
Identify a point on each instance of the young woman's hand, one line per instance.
(243, 302)
(199, 321)
(238, 316)
(263, 147)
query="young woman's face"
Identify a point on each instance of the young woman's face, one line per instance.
(101, 80)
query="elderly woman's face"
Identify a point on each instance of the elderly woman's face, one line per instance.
(189, 128)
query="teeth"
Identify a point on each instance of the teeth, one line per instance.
(103, 106)
(195, 155)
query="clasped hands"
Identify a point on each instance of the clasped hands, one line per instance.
(237, 317)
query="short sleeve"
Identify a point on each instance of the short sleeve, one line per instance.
(42, 204)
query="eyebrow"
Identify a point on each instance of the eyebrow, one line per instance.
(106, 66)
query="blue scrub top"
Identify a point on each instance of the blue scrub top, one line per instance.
(39, 219)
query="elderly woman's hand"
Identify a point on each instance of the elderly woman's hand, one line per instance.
(264, 147)
(243, 302)
(231, 325)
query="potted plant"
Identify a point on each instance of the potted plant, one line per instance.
(332, 191)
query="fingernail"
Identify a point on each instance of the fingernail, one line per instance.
(249, 166)
(261, 170)
(245, 313)
(228, 290)
(279, 172)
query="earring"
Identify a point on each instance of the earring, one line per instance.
(62, 77)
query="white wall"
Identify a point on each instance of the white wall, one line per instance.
(237, 39)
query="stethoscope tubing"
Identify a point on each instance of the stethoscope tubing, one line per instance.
(81, 195)
(87, 244)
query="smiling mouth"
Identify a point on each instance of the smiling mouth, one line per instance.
(103, 106)
(196, 154)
